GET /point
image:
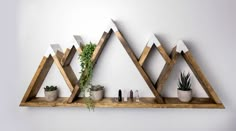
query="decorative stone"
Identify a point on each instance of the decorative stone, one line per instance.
(131, 95)
(119, 95)
(136, 96)
(125, 96)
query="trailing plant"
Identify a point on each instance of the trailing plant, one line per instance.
(50, 88)
(86, 65)
(184, 82)
(86, 71)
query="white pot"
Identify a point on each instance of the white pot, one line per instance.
(51, 95)
(184, 96)
(97, 95)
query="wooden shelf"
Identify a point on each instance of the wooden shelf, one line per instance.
(63, 60)
(111, 102)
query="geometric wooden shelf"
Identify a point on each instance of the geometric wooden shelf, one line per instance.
(110, 102)
(63, 60)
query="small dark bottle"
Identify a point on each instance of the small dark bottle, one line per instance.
(131, 95)
(120, 95)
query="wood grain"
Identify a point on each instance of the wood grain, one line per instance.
(166, 71)
(101, 44)
(201, 77)
(38, 78)
(68, 56)
(164, 54)
(111, 102)
(67, 72)
(144, 55)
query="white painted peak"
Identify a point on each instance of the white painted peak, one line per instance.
(181, 47)
(52, 50)
(77, 41)
(153, 40)
(111, 25)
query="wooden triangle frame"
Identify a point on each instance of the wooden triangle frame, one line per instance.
(63, 60)
(53, 55)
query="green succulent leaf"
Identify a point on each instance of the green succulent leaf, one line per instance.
(50, 88)
(184, 82)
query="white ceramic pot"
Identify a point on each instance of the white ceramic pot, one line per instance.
(97, 95)
(184, 96)
(51, 95)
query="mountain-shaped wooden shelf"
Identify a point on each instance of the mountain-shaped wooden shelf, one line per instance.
(63, 60)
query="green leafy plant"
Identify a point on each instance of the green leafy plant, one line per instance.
(184, 82)
(86, 71)
(50, 88)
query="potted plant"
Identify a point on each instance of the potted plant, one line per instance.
(50, 93)
(97, 92)
(86, 76)
(184, 90)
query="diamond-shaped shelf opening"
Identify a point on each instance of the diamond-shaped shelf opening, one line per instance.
(154, 64)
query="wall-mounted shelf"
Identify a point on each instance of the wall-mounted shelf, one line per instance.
(62, 60)
(111, 102)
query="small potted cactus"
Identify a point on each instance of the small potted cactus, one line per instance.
(50, 93)
(184, 90)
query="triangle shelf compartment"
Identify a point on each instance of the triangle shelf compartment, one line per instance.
(53, 55)
(62, 60)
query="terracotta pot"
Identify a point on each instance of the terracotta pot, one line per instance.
(184, 96)
(51, 95)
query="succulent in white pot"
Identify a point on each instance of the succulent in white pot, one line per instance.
(184, 88)
(50, 93)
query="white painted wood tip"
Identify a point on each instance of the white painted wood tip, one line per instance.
(181, 47)
(111, 25)
(52, 50)
(77, 41)
(153, 40)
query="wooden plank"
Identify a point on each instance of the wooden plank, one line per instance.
(164, 54)
(200, 76)
(145, 102)
(166, 71)
(66, 72)
(74, 94)
(140, 69)
(101, 44)
(144, 55)
(68, 56)
(38, 78)
(79, 50)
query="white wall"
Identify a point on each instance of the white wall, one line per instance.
(27, 27)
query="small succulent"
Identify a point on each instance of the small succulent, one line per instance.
(96, 88)
(184, 82)
(50, 88)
